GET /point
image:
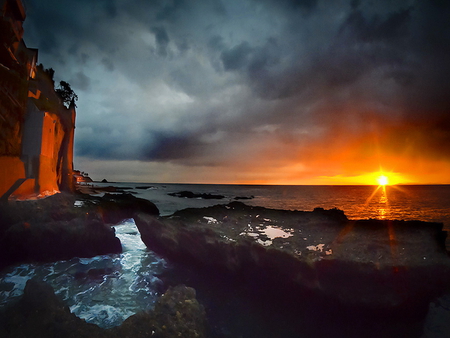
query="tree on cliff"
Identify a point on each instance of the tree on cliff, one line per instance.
(66, 93)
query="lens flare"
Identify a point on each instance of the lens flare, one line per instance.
(382, 180)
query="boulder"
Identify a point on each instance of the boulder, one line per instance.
(116, 207)
(32, 241)
(176, 314)
(57, 227)
(40, 313)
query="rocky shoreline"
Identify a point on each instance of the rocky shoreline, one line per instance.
(40, 313)
(363, 278)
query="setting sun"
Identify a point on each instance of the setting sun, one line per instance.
(382, 180)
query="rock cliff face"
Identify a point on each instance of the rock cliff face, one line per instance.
(36, 129)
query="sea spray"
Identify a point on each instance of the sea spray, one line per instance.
(103, 290)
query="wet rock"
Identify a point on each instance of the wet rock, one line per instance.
(352, 271)
(116, 207)
(55, 228)
(177, 314)
(40, 313)
(33, 241)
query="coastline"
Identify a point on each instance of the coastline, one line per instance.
(215, 247)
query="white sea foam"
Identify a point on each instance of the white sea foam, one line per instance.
(104, 290)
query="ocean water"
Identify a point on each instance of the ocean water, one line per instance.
(408, 202)
(105, 290)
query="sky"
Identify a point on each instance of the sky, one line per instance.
(253, 91)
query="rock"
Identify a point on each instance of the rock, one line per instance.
(104, 180)
(116, 207)
(40, 313)
(177, 314)
(190, 194)
(363, 272)
(244, 197)
(33, 241)
(54, 228)
(437, 324)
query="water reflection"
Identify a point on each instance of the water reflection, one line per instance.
(378, 203)
(383, 204)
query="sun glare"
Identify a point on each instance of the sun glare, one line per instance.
(382, 180)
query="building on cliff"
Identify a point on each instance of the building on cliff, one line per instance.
(36, 129)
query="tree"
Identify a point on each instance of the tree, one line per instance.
(66, 93)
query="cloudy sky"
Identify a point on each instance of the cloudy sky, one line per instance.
(253, 91)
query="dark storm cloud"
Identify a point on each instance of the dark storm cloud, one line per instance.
(162, 39)
(237, 57)
(81, 81)
(197, 71)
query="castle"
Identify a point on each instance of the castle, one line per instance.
(36, 129)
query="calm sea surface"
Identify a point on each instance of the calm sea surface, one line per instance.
(128, 282)
(418, 202)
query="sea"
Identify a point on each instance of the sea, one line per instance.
(107, 289)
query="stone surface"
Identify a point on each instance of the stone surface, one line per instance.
(55, 228)
(358, 272)
(177, 314)
(40, 313)
(190, 194)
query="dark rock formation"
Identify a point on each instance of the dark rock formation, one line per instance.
(50, 241)
(104, 180)
(319, 267)
(40, 313)
(177, 314)
(437, 324)
(237, 198)
(54, 228)
(190, 194)
(117, 207)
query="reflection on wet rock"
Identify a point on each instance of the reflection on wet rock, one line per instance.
(369, 271)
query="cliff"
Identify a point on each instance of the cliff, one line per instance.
(36, 129)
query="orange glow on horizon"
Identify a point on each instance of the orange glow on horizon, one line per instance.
(383, 180)
(374, 178)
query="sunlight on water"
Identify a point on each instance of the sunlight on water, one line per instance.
(103, 290)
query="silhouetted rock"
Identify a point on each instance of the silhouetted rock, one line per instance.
(237, 198)
(40, 313)
(177, 314)
(190, 194)
(104, 180)
(54, 228)
(32, 241)
(117, 207)
(359, 272)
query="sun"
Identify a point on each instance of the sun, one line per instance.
(383, 180)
